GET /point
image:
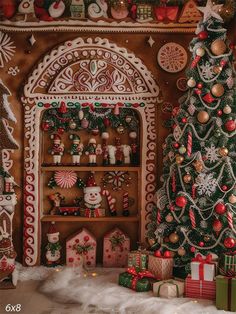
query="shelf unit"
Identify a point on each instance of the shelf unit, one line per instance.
(116, 219)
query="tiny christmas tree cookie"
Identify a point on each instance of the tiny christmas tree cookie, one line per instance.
(190, 13)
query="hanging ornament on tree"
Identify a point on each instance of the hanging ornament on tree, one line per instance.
(230, 125)
(202, 35)
(199, 54)
(173, 237)
(120, 129)
(220, 208)
(169, 218)
(179, 159)
(229, 243)
(198, 165)
(223, 151)
(217, 225)
(191, 82)
(232, 199)
(203, 116)
(182, 149)
(181, 201)
(218, 47)
(62, 108)
(187, 178)
(227, 109)
(217, 90)
(181, 251)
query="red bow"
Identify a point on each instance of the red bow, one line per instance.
(230, 253)
(169, 13)
(138, 275)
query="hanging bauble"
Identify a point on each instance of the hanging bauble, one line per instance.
(184, 120)
(223, 151)
(224, 188)
(176, 145)
(81, 114)
(187, 178)
(217, 69)
(200, 52)
(232, 199)
(179, 159)
(200, 85)
(133, 135)
(169, 218)
(95, 131)
(45, 125)
(191, 82)
(158, 253)
(219, 113)
(203, 116)
(206, 238)
(217, 90)
(151, 242)
(60, 130)
(167, 254)
(128, 119)
(227, 109)
(198, 165)
(181, 251)
(181, 201)
(201, 243)
(174, 238)
(84, 123)
(182, 149)
(106, 122)
(217, 225)
(192, 249)
(218, 47)
(105, 135)
(202, 35)
(72, 125)
(120, 129)
(116, 110)
(62, 108)
(220, 208)
(230, 125)
(229, 243)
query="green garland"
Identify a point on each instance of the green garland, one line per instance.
(53, 247)
(117, 240)
(82, 249)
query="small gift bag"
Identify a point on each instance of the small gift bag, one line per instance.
(229, 261)
(168, 289)
(202, 268)
(161, 267)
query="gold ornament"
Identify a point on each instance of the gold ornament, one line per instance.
(179, 159)
(174, 238)
(120, 129)
(232, 199)
(227, 109)
(191, 82)
(187, 178)
(217, 90)
(200, 52)
(217, 69)
(181, 251)
(218, 47)
(198, 165)
(203, 116)
(206, 238)
(151, 241)
(223, 151)
(169, 218)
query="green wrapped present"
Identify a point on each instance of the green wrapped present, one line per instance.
(138, 259)
(136, 280)
(229, 261)
(225, 293)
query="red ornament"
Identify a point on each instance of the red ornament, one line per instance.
(224, 188)
(219, 113)
(174, 126)
(62, 108)
(220, 208)
(223, 63)
(60, 130)
(230, 125)
(184, 120)
(201, 243)
(229, 243)
(199, 85)
(167, 254)
(86, 238)
(106, 122)
(217, 225)
(203, 35)
(176, 145)
(198, 91)
(231, 46)
(172, 207)
(45, 126)
(192, 249)
(181, 201)
(208, 98)
(157, 253)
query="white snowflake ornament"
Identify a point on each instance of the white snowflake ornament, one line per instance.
(206, 184)
(212, 154)
(177, 133)
(207, 71)
(230, 82)
(203, 224)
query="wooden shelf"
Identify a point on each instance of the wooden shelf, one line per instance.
(85, 219)
(88, 168)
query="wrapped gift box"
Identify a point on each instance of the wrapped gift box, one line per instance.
(116, 246)
(168, 288)
(226, 293)
(134, 279)
(229, 262)
(138, 259)
(81, 249)
(200, 289)
(202, 268)
(161, 267)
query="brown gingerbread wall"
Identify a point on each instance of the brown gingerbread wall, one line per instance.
(26, 57)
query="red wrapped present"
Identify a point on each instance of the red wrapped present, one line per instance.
(166, 13)
(200, 289)
(161, 267)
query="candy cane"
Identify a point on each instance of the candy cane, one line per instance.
(173, 182)
(111, 201)
(158, 216)
(192, 218)
(193, 191)
(189, 144)
(230, 219)
(195, 62)
(125, 200)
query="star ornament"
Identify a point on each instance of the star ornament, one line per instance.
(211, 10)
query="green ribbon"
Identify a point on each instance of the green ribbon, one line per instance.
(171, 282)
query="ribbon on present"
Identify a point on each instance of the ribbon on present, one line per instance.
(88, 212)
(169, 13)
(202, 261)
(138, 275)
(170, 282)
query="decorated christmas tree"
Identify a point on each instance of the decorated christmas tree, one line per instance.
(196, 206)
(6, 139)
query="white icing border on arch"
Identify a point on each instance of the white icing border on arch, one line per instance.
(32, 214)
